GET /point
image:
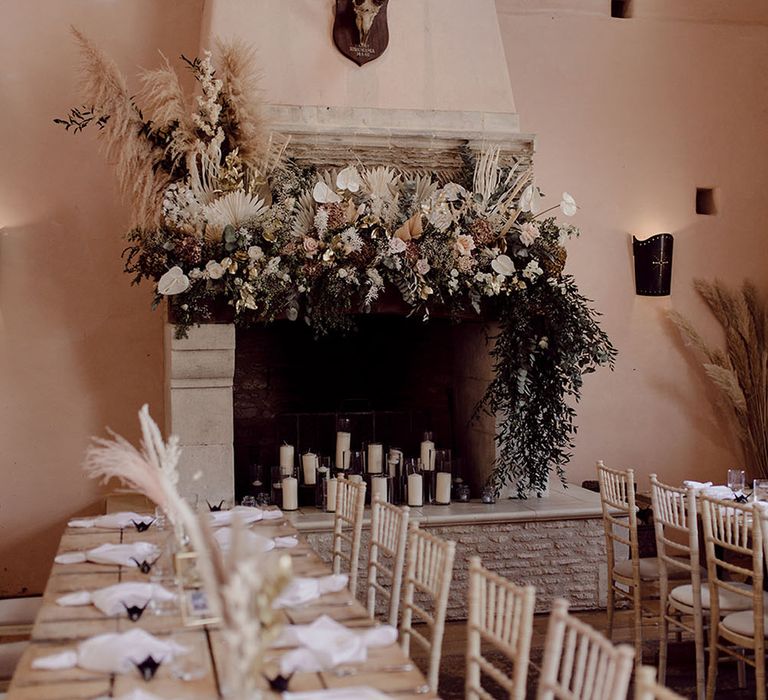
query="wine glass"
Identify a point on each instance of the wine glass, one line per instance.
(760, 489)
(737, 479)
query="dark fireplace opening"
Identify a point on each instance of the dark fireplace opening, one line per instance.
(394, 378)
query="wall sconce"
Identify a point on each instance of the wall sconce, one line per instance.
(653, 265)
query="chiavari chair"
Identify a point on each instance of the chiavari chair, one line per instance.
(348, 528)
(386, 559)
(500, 615)
(428, 577)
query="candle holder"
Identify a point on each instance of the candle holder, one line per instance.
(289, 487)
(343, 441)
(443, 477)
(488, 495)
(415, 483)
(323, 474)
(396, 468)
(381, 486)
(462, 492)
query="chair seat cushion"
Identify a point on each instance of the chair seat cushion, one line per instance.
(743, 623)
(649, 569)
(728, 599)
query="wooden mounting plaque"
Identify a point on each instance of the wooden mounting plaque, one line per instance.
(360, 29)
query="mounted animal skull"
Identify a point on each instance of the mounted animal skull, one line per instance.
(365, 13)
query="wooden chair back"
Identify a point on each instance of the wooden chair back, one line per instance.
(617, 497)
(501, 615)
(580, 663)
(348, 529)
(677, 534)
(646, 687)
(386, 559)
(428, 574)
(733, 528)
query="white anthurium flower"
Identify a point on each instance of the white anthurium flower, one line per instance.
(173, 282)
(568, 204)
(530, 200)
(214, 269)
(349, 179)
(503, 265)
(323, 194)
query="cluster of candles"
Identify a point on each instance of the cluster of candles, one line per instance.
(391, 477)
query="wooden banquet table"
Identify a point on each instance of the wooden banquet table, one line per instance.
(60, 628)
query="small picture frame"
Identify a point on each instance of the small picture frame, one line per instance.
(195, 611)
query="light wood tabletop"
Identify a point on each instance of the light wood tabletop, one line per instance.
(58, 628)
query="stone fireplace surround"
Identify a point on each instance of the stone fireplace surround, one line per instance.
(553, 542)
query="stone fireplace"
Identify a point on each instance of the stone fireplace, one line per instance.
(234, 395)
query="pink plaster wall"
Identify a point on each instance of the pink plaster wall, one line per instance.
(631, 116)
(79, 348)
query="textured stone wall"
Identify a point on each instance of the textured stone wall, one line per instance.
(560, 557)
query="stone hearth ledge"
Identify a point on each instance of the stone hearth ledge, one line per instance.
(573, 503)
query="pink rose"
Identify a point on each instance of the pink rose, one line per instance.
(464, 244)
(528, 234)
(422, 266)
(310, 246)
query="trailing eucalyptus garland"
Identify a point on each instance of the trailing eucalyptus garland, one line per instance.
(224, 218)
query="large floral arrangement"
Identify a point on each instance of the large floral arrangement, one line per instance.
(220, 215)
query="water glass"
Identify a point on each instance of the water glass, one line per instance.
(190, 664)
(737, 480)
(248, 501)
(760, 489)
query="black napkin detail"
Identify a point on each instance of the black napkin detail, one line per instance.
(134, 611)
(141, 526)
(144, 566)
(148, 668)
(279, 683)
(213, 509)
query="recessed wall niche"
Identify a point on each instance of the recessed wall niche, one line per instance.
(706, 201)
(621, 9)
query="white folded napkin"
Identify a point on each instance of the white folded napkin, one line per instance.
(112, 653)
(286, 542)
(722, 492)
(697, 484)
(303, 590)
(121, 554)
(113, 521)
(357, 692)
(326, 643)
(112, 600)
(253, 541)
(246, 515)
(275, 514)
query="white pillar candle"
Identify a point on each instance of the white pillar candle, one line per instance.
(286, 459)
(375, 458)
(443, 489)
(379, 488)
(330, 503)
(415, 493)
(309, 465)
(343, 443)
(356, 478)
(290, 493)
(427, 454)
